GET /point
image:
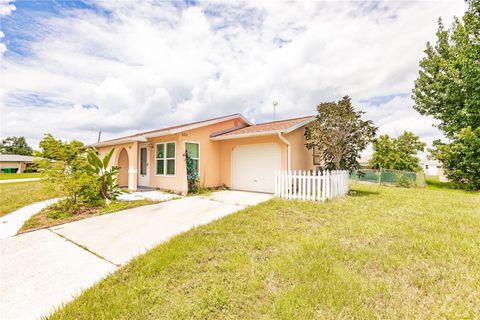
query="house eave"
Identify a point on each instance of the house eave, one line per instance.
(247, 135)
(116, 142)
(299, 125)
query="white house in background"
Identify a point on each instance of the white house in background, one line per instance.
(431, 167)
(14, 163)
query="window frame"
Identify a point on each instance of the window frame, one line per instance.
(198, 159)
(165, 158)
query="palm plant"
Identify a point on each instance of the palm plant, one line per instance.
(107, 177)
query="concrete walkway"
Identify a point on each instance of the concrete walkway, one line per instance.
(154, 195)
(43, 269)
(12, 222)
(19, 180)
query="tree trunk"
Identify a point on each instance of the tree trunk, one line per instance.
(337, 163)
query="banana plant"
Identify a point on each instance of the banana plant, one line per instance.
(107, 176)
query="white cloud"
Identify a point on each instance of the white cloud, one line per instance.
(6, 7)
(145, 66)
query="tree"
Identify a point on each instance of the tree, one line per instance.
(339, 134)
(460, 158)
(64, 166)
(397, 153)
(15, 145)
(447, 87)
(56, 149)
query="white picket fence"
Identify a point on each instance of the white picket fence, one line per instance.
(313, 186)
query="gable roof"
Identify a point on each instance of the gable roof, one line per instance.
(246, 130)
(15, 158)
(142, 136)
(267, 128)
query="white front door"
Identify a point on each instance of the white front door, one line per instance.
(143, 166)
(254, 165)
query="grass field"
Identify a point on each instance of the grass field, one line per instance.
(9, 176)
(383, 252)
(19, 194)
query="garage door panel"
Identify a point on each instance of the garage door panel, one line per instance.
(253, 167)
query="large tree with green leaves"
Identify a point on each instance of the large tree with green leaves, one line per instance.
(448, 88)
(448, 85)
(15, 145)
(461, 158)
(339, 134)
(56, 149)
(397, 153)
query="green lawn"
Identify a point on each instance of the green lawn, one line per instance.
(16, 195)
(8, 176)
(383, 252)
(434, 183)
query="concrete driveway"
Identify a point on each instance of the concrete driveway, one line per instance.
(43, 269)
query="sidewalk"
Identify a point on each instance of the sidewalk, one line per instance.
(19, 180)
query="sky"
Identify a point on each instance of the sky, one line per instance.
(73, 68)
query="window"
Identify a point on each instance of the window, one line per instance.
(143, 161)
(165, 159)
(193, 150)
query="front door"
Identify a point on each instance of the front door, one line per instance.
(143, 168)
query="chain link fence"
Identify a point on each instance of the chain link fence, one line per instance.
(391, 177)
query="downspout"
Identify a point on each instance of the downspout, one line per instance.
(289, 155)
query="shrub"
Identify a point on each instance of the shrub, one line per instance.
(85, 179)
(192, 175)
(404, 181)
(107, 177)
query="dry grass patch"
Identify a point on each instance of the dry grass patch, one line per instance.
(53, 215)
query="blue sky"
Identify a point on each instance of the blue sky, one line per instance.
(77, 67)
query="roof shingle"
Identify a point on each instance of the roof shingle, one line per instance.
(267, 126)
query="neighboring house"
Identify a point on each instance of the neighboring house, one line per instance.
(228, 151)
(14, 163)
(431, 167)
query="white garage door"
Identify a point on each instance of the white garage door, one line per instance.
(254, 165)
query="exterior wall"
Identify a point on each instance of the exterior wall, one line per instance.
(210, 150)
(9, 165)
(227, 146)
(13, 164)
(132, 151)
(209, 163)
(174, 182)
(215, 156)
(209, 158)
(302, 158)
(21, 168)
(123, 163)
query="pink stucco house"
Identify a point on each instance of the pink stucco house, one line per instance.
(228, 151)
